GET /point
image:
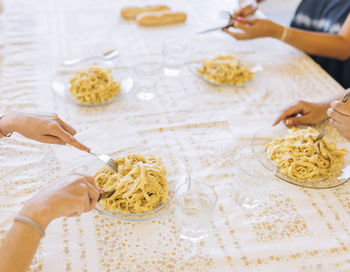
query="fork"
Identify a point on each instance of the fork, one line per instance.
(111, 163)
(107, 160)
(323, 129)
(106, 195)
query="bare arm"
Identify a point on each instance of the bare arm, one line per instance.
(321, 44)
(70, 196)
(315, 43)
(21, 242)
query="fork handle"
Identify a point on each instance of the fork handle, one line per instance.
(346, 97)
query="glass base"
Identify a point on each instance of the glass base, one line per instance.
(172, 72)
(145, 96)
(193, 235)
(249, 200)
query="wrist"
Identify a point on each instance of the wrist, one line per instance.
(324, 107)
(278, 32)
(37, 212)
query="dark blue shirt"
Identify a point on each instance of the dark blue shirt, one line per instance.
(325, 16)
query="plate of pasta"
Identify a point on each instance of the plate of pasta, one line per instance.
(302, 161)
(144, 186)
(92, 85)
(226, 70)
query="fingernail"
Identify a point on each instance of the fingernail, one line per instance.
(334, 103)
(239, 19)
(329, 111)
(288, 122)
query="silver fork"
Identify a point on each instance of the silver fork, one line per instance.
(111, 54)
(107, 160)
(323, 129)
(111, 163)
(106, 195)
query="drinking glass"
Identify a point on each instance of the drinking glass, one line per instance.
(173, 58)
(254, 174)
(147, 69)
(193, 210)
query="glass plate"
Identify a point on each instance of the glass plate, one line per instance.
(60, 85)
(177, 174)
(257, 69)
(265, 136)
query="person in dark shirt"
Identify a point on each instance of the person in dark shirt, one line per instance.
(321, 28)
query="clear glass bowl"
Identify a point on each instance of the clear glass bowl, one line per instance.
(60, 85)
(256, 68)
(265, 135)
(177, 175)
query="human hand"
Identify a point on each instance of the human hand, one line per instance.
(303, 113)
(339, 112)
(70, 196)
(245, 10)
(45, 128)
(254, 28)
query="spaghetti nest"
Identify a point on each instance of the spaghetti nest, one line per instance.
(299, 157)
(225, 70)
(94, 85)
(141, 184)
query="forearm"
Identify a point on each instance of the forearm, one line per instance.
(19, 247)
(22, 241)
(319, 44)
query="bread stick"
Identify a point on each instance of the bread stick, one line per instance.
(160, 18)
(130, 13)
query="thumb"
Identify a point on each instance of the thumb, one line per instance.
(296, 120)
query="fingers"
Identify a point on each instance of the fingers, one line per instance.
(93, 195)
(51, 140)
(245, 11)
(340, 107)
(291, 111)
(68, 138)
(91, 180)
(66, 126)
(243, 26)
(86, 198)
(339, 126)
(237, 36)
(247, 22)
(338, 117)
(297, 120)
(93, 190)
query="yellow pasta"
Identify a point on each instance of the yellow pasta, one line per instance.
(299, 157)
(225, 70)
(93, 85)
(141, 184)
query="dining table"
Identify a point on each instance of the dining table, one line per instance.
(205, 125)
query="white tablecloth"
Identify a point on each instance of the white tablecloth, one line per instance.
(298, 230)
